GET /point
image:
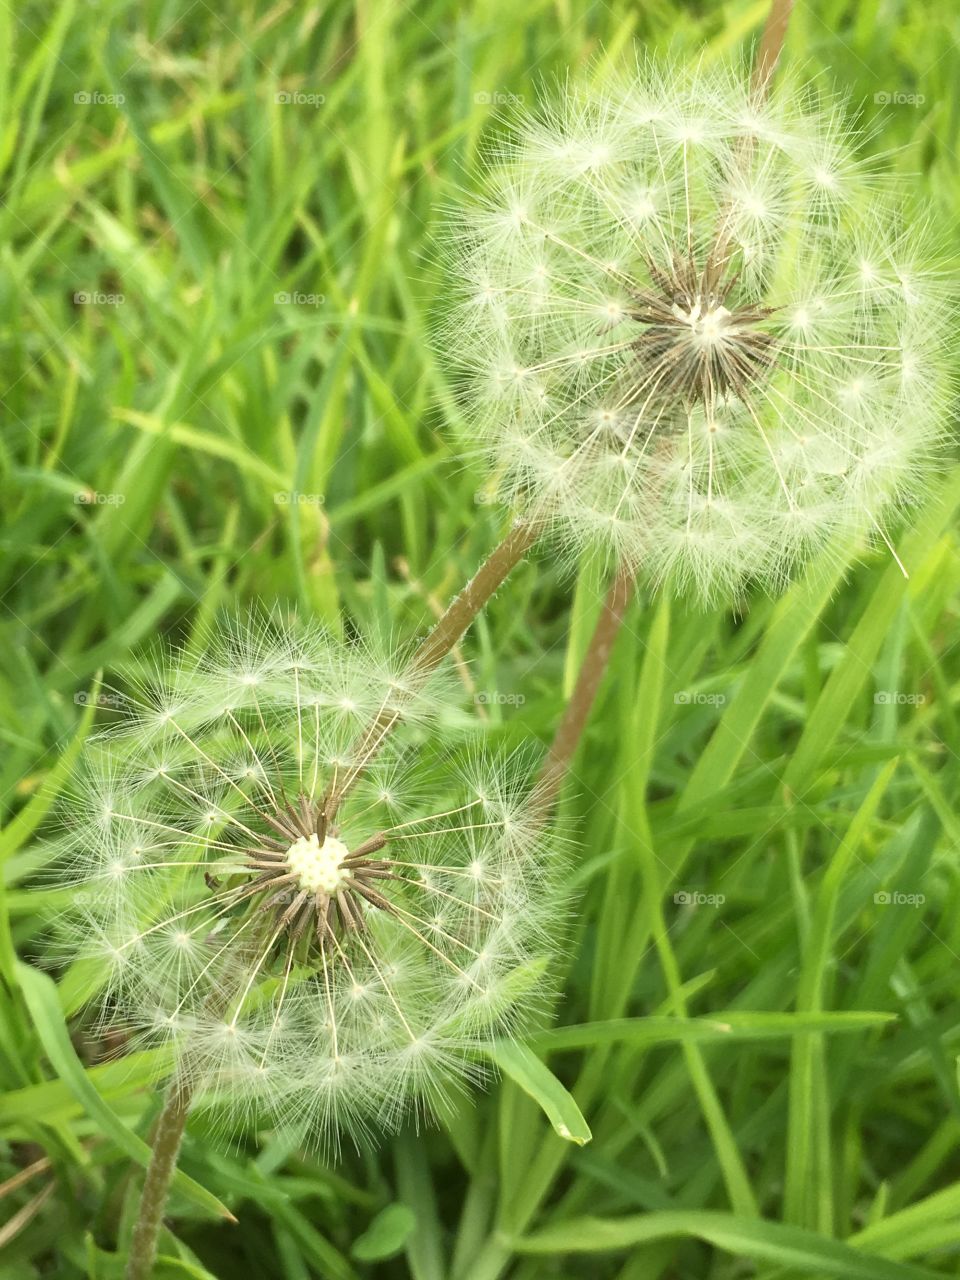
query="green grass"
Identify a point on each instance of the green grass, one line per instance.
(807, 1116)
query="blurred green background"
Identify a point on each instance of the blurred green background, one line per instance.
(217, 280)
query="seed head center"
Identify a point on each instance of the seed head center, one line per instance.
(708, 325)
(318, 865)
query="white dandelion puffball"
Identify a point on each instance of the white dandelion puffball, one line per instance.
(323, 966)
(694, 329)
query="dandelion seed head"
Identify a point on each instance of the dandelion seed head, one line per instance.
(718, 278)
(317, 962)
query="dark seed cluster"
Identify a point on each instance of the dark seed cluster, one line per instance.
(298, 909)
(695, 347)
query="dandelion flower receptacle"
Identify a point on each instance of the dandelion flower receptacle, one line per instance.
(321, 974)
(702, 336)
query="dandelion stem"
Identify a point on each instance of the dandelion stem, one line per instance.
(771, 46)
(444, 636)
(577, 712)
(462, 610)
(167, 1138)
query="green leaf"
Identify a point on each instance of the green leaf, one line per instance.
(217, 446)
(526, 1070)
(33, 812)
(40, 994)
(920, 553)
(417, 1189)
(762, 1241)
(724, 1025)
(56, 1102)
(176, 1268)
(386, 1235)
(807, 1192)
(325, 1258)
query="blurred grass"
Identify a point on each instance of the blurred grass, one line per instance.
(246, 407)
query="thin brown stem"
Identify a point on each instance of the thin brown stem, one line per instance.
(771, 46)
(436, 608)
(167, 1138)
(462, 610)
(449, 629)
(577, 712)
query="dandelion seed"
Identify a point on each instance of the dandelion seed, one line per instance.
(728, 296)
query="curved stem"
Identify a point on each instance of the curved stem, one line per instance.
(577, 711)
(771, 46)
(435, 646)
(167, 1138)
(463, 608)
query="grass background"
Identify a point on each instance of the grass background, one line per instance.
(146, 434)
